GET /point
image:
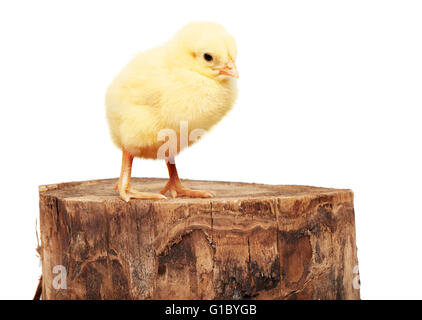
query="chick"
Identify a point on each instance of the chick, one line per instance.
(189, 80)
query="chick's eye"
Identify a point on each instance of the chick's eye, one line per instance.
(208, 57)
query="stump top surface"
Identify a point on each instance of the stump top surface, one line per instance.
(102, 190)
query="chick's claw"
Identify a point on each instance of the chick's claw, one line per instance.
(132, 194)
(185, 192)
(180, 191)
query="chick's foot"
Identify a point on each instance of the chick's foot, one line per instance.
(123, 185)
(174, 186)
(128, 194)
(177, 190)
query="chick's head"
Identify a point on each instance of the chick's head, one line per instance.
(206, 48)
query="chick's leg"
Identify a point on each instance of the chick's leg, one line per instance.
(126, 193)
(174, 186)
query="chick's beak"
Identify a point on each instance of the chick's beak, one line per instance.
(230, 70)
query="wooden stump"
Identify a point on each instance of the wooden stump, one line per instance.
(251, 241)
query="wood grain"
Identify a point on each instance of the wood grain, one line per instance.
(251, 241)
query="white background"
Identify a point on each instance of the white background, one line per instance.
(330, 95)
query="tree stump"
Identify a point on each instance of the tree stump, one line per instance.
(251, 241)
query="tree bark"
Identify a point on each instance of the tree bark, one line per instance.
(251, 241)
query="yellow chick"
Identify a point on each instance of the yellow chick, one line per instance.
(188, 84)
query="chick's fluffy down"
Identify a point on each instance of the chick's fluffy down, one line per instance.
(157, 90)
